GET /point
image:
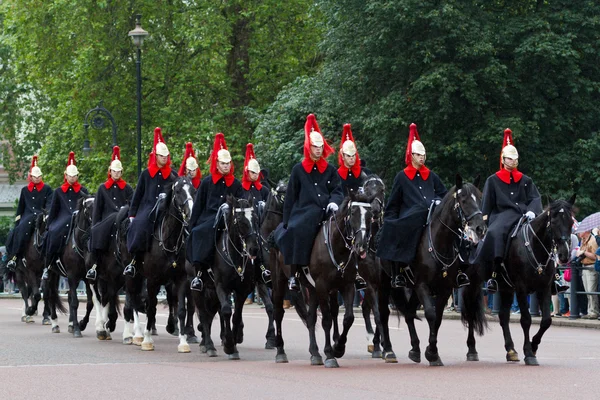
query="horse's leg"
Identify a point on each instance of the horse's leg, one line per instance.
(506, 298)
(229, 342)
(323, 297)
(181, 286)
(440, 303)
(339, 347)
(238, 323)
(384, 313)
(23, 289)
(366, 309)
(99, 324)
(35, 292)
(311, 323)
(431, 352)
(544, 298)
(51, 298)
(172, 300)
(89, 305)
(530, 358)
(263, 292)
(190, 333)
(414, 353)
(46, 314)
(278, 280)
(335, 310)
(472, 312)
(151, 302)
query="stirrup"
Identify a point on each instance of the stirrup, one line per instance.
(360, 283)
(12, 264)
(91, 274)
(130, 270)
(560, 288)
(45, 274)
(398, 281)
(492, 285)
(265, 274)
(292, 284)
(197, 284)
(462, 279)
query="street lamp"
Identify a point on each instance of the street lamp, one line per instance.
(98, 117)
(138, 35)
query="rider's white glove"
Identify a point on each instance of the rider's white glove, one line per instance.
(332, 207)
(131, 219)
(437, 202)
(224, 207)
(261, 204)
(530, 215)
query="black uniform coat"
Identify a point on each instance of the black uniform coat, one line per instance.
(33, 199)
(503, 205)
(62, 207)
(406, 214)
(352, 183)
(306, 200)
(107, 204)
(200, 244)
(256, 195)
(144, 199)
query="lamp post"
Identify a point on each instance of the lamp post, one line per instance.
(98, 117)
(138, 35)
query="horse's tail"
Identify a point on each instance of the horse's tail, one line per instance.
(472, 310)
(403, 305)
(301, 308)
(52, 296)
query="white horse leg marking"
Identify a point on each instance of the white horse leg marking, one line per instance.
(183, 347)
(363, 222)
(55, 322)
(137, 328)
(99, 323)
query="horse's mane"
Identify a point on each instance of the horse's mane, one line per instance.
(447, 200)
(361, 197)
(556, 205)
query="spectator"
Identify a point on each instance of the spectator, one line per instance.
(588, 249)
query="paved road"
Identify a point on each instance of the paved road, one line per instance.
(36, 364)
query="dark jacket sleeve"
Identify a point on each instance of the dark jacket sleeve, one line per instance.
(20, 206)
(534, 200)
(54, 207)
(392, 209)
(238, 191)
(439, 188)
(128, 193)
(488, 200)
(291, 196)
(98, 206)
(199, 204)
(137, 196)
(49, 195)
(336, 193)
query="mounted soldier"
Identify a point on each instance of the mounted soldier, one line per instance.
(313, 191)
(351, 175)
(64, 204)
(110, 197)
(415, 190)
(508, 195)
(189, 166)
(152, 183)
(252, 182)
(209, 205)
(34, 199)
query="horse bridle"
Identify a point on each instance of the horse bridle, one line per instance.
(551, 254)
(227, 242)
(183, 232)
(76, 228)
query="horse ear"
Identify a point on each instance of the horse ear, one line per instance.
(230, 199)
(459, 181)
(571, 201)
(550, 199)
(477, 181)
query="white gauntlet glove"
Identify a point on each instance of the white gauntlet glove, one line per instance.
(530, 215)
(332, 207)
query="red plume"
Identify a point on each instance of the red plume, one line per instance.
(347, 135)
(508, 139)
(412, 135)
(189, 152)
(71, 160)
(158, 137)
(34, 161)
(116, 155)
(218, 144)
(249, 156)
(310, 125)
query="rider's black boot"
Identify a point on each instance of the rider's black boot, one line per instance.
(292, 284)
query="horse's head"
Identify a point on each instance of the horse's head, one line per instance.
(355, 216)
(182, 196)
(85, 206)
(40, 221)
(560, 221)
(467, 200)
(374, 188)
(242, 223)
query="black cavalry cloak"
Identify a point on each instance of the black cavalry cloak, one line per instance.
(108, 202)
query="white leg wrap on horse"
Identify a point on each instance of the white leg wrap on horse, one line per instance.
(183, 347)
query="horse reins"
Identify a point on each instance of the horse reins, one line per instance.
(227, 242)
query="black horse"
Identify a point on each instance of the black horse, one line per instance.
(342, 241)
(28, 273)
(233, 273)
(530, 267)
(71, 265)
(164, 264)
(455, 226)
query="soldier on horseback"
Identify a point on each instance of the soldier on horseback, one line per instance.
(508, 195)
(415, 190)
(189, 166)
(352, 176)
(64, 204)
(251, 181)
(209, 205)
(35, 197)
(110, 197)
(152, 183)
(313, 191)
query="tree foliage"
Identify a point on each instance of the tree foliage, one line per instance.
(462, 71)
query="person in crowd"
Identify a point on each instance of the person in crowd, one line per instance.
(587, 251)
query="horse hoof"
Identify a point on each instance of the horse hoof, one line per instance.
(29, 319)
(211, 353)
(192, 339)
(183, 348)
(512, 356)
(436, 363)
(203, 348)
(147, 346)
(137, 340)
(128, 340)
(55, 329)
(390, 358)
(46, 321)
(108, 337)
(371, 348)
(154, 332)
(82, 325)
(101, 335)
(531, 361)
(234, 356)
(414, 356)
(339, 351)
(70, 329)
(331, 363)
(23, 318)
(376, 354)
(281, 358)
(472, 357)
(269, 346)
(77, 334)
(316, 360)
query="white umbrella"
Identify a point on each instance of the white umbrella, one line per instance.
(590, 222)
